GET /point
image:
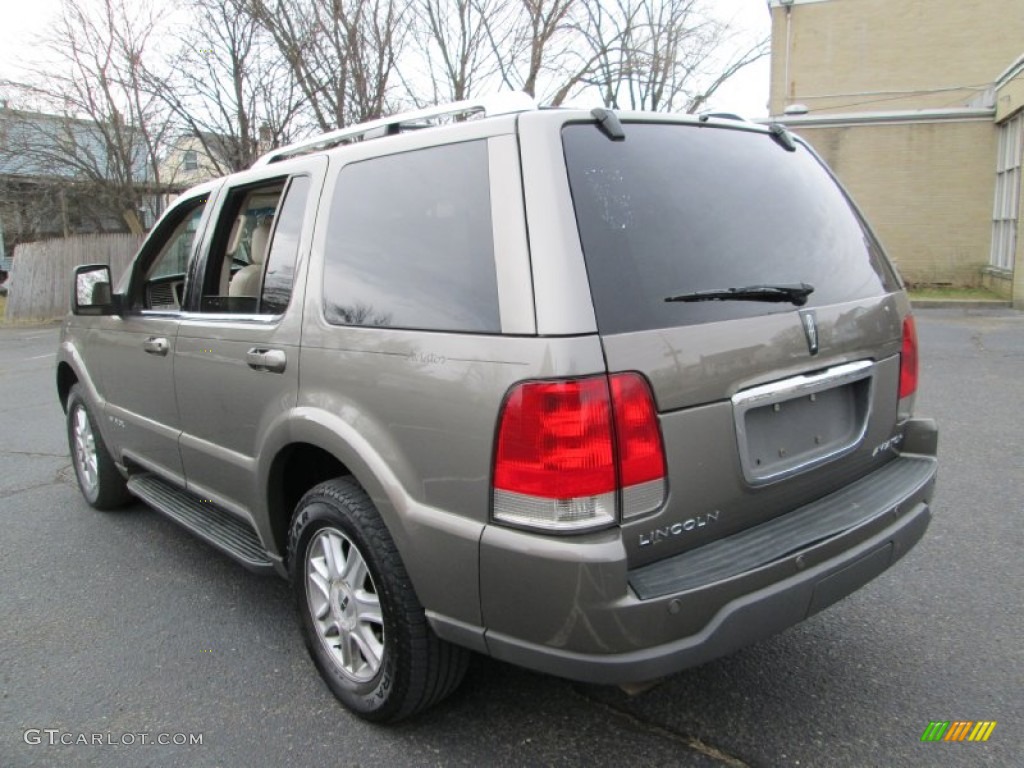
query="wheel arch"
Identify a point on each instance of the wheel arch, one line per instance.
(440, 550)
(296, 468)
(66, 379)
(71, 370)
(308, 446)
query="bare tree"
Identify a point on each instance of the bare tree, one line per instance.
(111, 134)
(529, 38)
(228, 86)
(742, 58)
(451, 45)
(661, 55)
(252, 72)
(342, 53)
(595, 60)
(33, 202)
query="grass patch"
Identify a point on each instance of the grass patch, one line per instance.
(3, 308)
(949, 293)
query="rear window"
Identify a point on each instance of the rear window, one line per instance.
(676, 209)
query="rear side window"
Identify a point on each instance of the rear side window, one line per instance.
(409, 243)
(676, 209)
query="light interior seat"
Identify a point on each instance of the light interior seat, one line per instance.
(248, 279)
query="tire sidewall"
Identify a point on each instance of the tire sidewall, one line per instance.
(380, 697)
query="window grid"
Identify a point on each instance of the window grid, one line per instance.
(1008, 184)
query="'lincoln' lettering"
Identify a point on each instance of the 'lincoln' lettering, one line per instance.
(660, 534)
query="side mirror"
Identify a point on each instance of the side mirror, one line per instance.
(91, 294)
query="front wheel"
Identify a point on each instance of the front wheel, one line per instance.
(362, 622)
(98, 477)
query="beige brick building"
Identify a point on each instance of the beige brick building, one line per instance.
(918, 105)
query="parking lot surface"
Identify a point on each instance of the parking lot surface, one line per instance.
(118, 625)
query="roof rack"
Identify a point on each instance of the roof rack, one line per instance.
(498, 104)
(705, 116)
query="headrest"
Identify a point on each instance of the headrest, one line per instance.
(235, 238)
(260, 236)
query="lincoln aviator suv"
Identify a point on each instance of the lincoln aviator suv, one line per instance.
(601, 394)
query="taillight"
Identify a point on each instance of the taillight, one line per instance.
(565, 448)
(638, 445)
(908, 358)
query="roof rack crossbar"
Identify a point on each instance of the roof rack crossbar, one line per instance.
(499, 104)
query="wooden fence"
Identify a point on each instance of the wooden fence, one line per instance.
(40, 284)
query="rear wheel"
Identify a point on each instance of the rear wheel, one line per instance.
(98, 477)
(362, 622)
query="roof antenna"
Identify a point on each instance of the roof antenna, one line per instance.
(609, 123)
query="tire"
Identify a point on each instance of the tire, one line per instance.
(363, 625)
(100, 481)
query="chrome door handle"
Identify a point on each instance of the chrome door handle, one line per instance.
(156, 345)
(271, 360)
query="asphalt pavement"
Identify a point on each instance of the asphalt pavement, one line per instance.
(120, 628)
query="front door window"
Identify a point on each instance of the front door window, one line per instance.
(163, 284)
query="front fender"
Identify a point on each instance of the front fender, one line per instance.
(69, 356)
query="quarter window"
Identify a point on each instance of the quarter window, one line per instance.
(409, 243)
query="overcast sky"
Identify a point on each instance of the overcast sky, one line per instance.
(746, 94)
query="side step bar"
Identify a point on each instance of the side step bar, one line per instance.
(206, 520)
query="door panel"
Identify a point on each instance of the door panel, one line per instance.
(236, 360)
(139, 388)
(228, 401)
(135, 351)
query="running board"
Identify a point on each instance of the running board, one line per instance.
(206, 520)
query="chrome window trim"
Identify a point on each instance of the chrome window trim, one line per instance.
(230, 317)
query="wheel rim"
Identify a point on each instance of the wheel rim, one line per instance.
(344, 605)
(85, 449)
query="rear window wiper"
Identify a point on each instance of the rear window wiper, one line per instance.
(797, 294)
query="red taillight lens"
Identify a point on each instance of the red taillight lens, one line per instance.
(908, 358)
(555, 440)
(565, 447)
(639, 449)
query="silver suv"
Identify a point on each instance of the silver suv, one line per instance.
(604, 395)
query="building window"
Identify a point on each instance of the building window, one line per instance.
(1008, 183)
(191, 160)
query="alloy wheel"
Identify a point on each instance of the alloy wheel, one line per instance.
(344, 604)
(86, 462)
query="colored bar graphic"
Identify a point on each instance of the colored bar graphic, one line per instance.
(958, 730)
(982, 731)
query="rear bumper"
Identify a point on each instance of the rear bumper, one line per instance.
(598, 623)
(741, 622)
